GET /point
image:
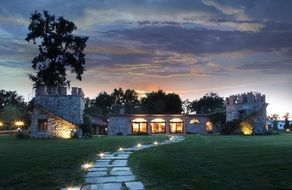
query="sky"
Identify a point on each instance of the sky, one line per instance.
(190, 47)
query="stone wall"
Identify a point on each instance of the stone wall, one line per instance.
(249, 106)
(121, 124)
(56, 126)
(69, 107)
(64, 113)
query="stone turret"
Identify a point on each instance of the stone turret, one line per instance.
(58, 91)
(56, 113)
(248, 106)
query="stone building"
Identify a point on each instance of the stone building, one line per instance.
(249, 107)
(57, 114)
(126, 124)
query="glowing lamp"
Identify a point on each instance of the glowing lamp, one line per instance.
(101, 155)
(86, 166)
(139, 145)
(120, 149)
(19, 123)
(155, 143)
(1, 124)
(288, 130)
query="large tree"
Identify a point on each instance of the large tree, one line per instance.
(10, 97)
(59, 49)
(161, 103)
(209, 103)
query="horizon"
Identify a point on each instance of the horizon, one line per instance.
(187, 47)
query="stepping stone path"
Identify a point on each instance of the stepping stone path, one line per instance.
(111, 171)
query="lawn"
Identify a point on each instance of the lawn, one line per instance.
(217, 162)
(52, 164)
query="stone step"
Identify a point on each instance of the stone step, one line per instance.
(110, 179)
(104, 186)
(135, 185)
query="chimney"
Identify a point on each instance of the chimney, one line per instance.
(40, 91)
(63, 90)
(74, 91)
(52, 90)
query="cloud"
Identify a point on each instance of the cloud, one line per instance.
(272, 67)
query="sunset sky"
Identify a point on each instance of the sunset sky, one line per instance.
(190, 47)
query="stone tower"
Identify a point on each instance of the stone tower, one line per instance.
(55, 113)
(249, 106)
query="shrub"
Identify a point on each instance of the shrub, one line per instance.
(230, 127)
(22, 136)
(141, 133)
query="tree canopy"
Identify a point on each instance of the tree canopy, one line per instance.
(58, 49)
(161, 103)
(209, 103)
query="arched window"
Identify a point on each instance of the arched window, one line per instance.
(209, 127)
(139, 125)
(158, 125)
(176, 125)
(194, 121)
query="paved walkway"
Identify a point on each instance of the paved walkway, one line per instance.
(111, 170)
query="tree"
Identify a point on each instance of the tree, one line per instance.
(286, 116)
(58, 49)
(131, 101)
(186, 105)
(274, 118)
(10, 97)
(104, 102)
(10, 114)
(209, 103)
(161, 103)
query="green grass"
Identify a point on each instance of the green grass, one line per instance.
(52, 164)
(217, 162)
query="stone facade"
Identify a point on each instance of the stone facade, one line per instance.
(57, 114)
(248, 106)
(123, 124)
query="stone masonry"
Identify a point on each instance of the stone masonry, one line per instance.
(55, 113)
(248, 106)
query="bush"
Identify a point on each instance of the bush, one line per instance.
(230, 127)
(141, 133)
(119, 133)
(22, 136)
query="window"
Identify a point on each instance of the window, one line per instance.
(194, 121)
(139, 125)
(176, 125)
(158, 125)
(209, 127)
(43, 124)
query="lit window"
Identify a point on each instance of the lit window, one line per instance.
(194, 121)
(176, 125)
(139, 125)
(158, 125)
(209, 126)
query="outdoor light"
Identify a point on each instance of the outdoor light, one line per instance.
(287, 129)
(86, 166)
(18, 123)
(155, 142)
(1, 124)
(101, 155)
(120, 149)
(139, 145)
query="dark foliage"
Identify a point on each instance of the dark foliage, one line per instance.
(209, 103)
(230, 127)
(58, 49)
(161, 103)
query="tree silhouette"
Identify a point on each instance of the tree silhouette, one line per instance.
(209, 103)
(58, 49)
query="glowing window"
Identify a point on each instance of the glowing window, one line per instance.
(139, 125)
(158, 125)
(176, 127)
(157, 120)
(194, 121)
(176, 120)
(209, 126)
(138, 120)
